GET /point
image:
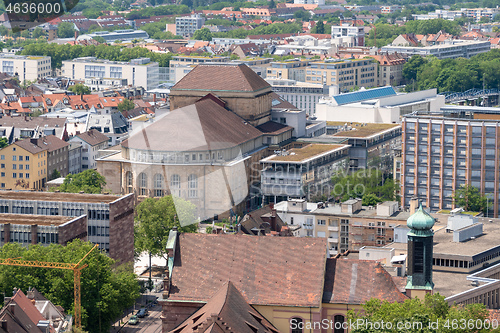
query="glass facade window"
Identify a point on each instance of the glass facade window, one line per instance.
(95, 71)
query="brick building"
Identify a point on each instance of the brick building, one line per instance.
(244, 92)
(273, 276)
(110, 218)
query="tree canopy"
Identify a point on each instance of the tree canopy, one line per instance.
(80, 89)
(203, 34)
(58, 53)
(454, 74)
(65, 30)
(370, 184)
(470, 199)
(156, 217)
(105, 291)
(126, 105)
(433, 314)
(88, 181)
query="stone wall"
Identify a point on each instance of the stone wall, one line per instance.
(76, 229)
(121, 229)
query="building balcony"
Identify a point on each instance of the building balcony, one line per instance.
(333, 240)
(333, 228)
(308, 226)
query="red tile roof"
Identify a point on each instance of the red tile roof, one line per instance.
(286, 271)
(221, 78)
(350, 281)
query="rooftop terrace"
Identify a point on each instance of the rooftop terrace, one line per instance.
(58, 196)
(361, 130)
(306, 152)
(34, 219)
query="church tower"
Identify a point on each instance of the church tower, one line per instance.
(420, 242)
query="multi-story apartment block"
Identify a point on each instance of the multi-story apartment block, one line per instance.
(114, 126)
(309, 2)
(288, 70)
(186, 25)
(478, 13)
(439, 154)
(346, 30)
(300, 172)
(346, 74)
(301, 94)
(451, 50)
(75, 157)
(57, 155)
(110, 218)
(92, 141)
(40, 229)
(29, 68)
(347, 226)
(372, 145)
(138, 72)
(23, 165)
(390, 9)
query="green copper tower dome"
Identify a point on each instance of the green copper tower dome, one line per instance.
(420, 223)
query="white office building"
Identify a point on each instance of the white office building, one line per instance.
(138, 72)
(345, 30)
(450, 50)
(26, 67)
(303, 95)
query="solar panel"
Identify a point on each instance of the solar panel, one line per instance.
(358, 96)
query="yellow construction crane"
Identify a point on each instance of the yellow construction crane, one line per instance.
(77, 271)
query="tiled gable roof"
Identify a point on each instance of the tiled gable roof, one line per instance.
(227, 308)
(31, 145)
(221, 78)
(350, 281)
(286, 271)
(93, 137)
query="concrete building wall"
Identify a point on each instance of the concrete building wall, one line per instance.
(29, 68)
(144, 75)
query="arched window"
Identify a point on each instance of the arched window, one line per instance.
(143, 184)
(296, 325)
(193, 186)
(175, 185)
(338, 322)
(129, 179)
(158, 185)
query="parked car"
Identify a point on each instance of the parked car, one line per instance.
(133, 320)
(142, 313)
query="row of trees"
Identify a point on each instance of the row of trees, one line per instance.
(482, 70)
(432, 314)
(385, 33)
(106, 290)
(58, 53)
(372, 185)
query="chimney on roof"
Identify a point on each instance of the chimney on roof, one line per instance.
(414, 203)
